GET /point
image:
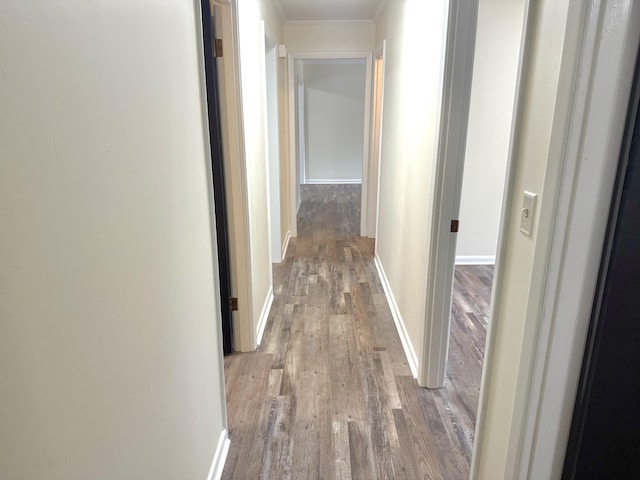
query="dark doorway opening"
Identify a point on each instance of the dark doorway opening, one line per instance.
(605, 432)
(215, 138)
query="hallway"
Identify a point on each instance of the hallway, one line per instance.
(329, 394)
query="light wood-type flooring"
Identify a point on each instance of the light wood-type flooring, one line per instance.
(329, 394)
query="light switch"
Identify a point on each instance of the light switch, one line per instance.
(528, 210)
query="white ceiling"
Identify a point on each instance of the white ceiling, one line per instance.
(329, 10)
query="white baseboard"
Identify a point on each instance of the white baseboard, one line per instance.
(336, 181)
(264, 315)
(215, 472)
(476, 260)
(409, 351)
(285, 244)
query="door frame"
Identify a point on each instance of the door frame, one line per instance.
(447, 188)
(606, 304)
(293, 129)
(594, 87)
(226, 20)
(599, 83)
(272, 122)
(377, 125)
(214, 116)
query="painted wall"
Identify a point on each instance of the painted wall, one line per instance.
(109, 335)
(520, 279)
(413, 29)
(492, 98)
(334, 116)
(329, 37)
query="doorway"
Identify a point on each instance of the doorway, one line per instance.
(471, 175)
(329, 108)
(493, 89)
(217, 167)
(376, 139)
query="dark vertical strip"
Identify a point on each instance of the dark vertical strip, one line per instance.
(215, 138)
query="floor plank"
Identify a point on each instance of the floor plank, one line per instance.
(329, 393)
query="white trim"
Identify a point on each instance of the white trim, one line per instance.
(301, 132)
(236, 181)
(292, 86)
(327, 23)
(475, 260)
(586, 136)
(380, 53)
(601, 86)
(220, 457)
(366, 161)
(264, 315)
(272, 122)
(331, 181)
(459, 43)
(292, 57)
(285, 244)
(412, 358)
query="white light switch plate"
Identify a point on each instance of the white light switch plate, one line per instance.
(528, 210)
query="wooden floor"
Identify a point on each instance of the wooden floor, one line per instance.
(329, 393)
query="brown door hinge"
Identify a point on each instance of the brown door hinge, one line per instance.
(455, 226)
(233, 304)
(218, 47)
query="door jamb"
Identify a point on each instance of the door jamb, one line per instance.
(226, 12)
(379, 54)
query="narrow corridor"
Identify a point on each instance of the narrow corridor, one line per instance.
(329, 393)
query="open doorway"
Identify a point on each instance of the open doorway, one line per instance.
(495, 70)
(471, 200)
(330, 109)
(376, 139)
(498, 38)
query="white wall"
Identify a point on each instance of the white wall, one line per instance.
(492, 97)
(414, 31)
(334, 116)
(329, 37)
(109, 316)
